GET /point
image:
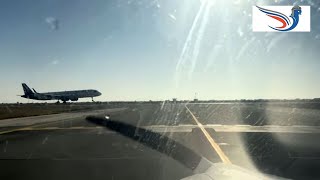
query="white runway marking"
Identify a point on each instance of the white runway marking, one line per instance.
(187, 128)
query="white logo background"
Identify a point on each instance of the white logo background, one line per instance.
(261, 21)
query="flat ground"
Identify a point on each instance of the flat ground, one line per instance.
(26, 110)
(75, 146)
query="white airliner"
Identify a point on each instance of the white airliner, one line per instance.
(62, 95)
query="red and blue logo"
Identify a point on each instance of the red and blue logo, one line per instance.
(287, 25)
(285, 18)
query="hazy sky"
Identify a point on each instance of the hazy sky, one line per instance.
(141, 50)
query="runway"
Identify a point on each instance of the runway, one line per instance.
(69, 146)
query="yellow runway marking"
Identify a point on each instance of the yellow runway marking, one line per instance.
(214, 145)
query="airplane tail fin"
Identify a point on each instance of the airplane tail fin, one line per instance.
(34, 91)
(26, 89)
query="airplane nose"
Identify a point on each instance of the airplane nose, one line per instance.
(99, 93)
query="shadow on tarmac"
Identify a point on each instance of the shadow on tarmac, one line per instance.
(151, 139)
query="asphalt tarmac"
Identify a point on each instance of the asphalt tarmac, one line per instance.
(158, 141)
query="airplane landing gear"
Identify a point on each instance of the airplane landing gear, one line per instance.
(92, 99)
(58, 102)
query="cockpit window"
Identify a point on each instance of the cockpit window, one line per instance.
(159, 89)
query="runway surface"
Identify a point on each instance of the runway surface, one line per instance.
(71, 145)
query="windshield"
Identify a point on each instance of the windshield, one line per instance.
(159, 89)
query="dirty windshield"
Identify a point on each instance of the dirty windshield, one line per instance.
(159, 89)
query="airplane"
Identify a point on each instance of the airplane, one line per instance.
(64, 96)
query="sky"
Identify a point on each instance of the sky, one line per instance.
(154, 50)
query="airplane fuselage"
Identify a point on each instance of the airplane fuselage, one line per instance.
(61, 95)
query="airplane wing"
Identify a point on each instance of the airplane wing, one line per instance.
(61, 97)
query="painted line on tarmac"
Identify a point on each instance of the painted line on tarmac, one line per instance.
(63, 128)
(30, 127)
(58, 128)
(214, 145)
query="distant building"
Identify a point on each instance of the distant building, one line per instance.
(195, 97)
(174, 100)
